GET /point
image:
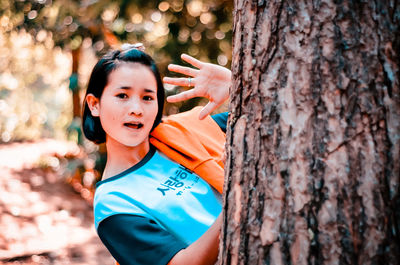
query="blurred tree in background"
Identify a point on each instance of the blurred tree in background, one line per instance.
(32, 93)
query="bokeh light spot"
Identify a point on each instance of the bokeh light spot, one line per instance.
(68, 20)
(73, 27)
(222, 60)
(191, 22)
(177, 5)
(196, 36)
(129, 27)
(193, 50)
(225, 46)
(27, 7)
(156, 16)
(4, 21)
(194, 8)
(206, 18)
(41, 36)
(163, 6)
(118, 26)
(148, 26)
(225, 27)
(32, 14)
(219, 35)
(108, 15)
(183, 35)
(137, 18)
(99, 45)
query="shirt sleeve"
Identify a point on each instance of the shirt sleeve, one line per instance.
(137, 240)
(221, 119)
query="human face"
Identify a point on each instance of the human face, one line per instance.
(128, 106)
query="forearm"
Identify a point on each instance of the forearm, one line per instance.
(203, 251)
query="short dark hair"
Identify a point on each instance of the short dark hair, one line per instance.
(91, 125)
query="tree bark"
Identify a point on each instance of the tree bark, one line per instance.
(76, 101)
(313, 141)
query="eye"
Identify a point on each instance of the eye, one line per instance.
(122, 95)
(148, 98)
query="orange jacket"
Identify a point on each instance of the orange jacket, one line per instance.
(196, 144)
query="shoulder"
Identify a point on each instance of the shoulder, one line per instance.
(221, 119)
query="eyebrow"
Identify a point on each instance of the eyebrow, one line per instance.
(147, 90)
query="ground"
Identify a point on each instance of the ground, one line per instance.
(43, 220)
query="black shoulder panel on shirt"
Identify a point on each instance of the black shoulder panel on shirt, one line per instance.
(137, 240)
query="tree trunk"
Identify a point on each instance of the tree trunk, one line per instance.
(313, 142)
(74, 86)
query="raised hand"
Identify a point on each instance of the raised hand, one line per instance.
(209, 80)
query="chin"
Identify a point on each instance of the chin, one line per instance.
(130, 140)
(135, 142)
(132, 143)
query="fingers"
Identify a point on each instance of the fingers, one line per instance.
(191, 60)
(182, 81)
(210, 107)
(182, 70)
(182, 96)
(178, 81)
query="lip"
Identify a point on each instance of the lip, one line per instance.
(135, 125)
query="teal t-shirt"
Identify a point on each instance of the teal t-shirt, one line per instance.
(149, 212)
(160, 189)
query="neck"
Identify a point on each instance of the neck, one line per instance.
(121, 157)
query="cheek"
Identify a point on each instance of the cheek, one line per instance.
(152, 108)
(109, 113)
(155, 110)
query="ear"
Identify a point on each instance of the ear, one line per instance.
(93, 104)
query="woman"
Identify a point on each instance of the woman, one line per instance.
(149, 209)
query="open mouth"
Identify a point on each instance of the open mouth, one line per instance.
(133, 125)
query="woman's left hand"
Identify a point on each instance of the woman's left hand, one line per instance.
(209, 80)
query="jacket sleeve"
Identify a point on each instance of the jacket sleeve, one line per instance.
(196, 144)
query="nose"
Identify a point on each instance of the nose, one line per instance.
(135, 108)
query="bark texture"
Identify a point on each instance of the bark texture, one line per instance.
(76, 101)
(313, 147)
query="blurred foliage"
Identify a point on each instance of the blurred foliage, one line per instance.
(201, 28)
(35, 34)
(34, 96)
